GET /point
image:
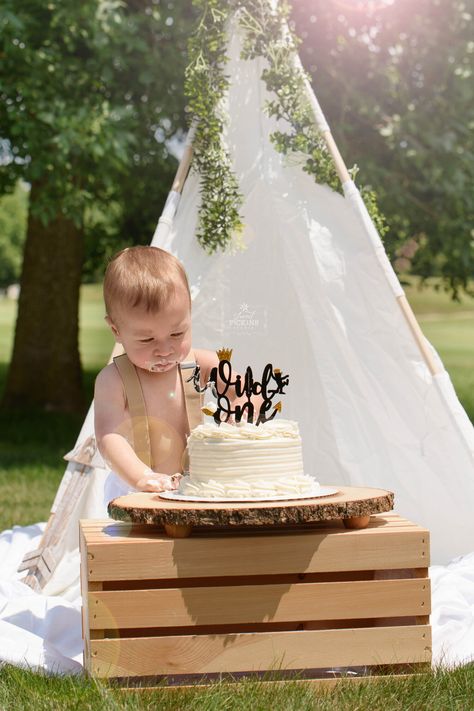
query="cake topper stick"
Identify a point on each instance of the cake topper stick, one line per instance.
(196, 378)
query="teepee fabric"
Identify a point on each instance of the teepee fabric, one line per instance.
(313, 293)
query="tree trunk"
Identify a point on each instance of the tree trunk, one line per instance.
(45, 370)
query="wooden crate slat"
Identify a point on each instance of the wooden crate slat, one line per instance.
(197, 654)
(161, 557)
(97, 528)
(258, 603)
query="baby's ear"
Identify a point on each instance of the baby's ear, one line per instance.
(113, 328)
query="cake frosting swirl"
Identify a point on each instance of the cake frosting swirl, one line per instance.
(244, 460)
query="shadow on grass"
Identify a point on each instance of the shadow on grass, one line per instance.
(36, 437)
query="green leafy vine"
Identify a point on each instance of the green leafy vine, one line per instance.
(266, 35)
(205, 87)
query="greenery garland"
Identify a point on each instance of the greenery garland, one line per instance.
(266, 35)
(205, 87)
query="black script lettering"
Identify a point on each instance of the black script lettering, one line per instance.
(221, 377)
(264, 408)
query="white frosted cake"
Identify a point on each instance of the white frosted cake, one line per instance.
(246, 461)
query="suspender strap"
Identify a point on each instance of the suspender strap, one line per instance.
(136, 408)
(193, 400)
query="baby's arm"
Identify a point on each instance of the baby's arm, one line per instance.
(112, 426)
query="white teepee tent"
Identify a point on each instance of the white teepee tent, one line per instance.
(313, 292)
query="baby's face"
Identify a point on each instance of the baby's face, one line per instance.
(156, 341)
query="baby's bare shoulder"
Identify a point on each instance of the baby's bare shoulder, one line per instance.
(108, 382)
(109, 401)
(108, 375)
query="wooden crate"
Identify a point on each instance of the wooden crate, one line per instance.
(309, 599)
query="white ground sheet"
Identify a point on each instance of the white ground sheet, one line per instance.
(36, 631)
(44, 632)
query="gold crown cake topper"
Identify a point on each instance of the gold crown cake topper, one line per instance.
(254, 397)
(224, 353)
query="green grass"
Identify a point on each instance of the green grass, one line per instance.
(453, 337)
(95, 339)
(430, 299)
(441, 690)
(31, 450)
(7, 320)
(31, 454)
(449, 326)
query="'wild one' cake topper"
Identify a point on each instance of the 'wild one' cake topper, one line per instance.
(272, 384)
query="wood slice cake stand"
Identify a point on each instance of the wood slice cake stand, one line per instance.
(354, 505)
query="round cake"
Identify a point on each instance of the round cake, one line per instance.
(243, 461)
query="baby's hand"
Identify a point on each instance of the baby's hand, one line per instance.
(154, 481)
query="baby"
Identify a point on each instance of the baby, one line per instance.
(148, 308)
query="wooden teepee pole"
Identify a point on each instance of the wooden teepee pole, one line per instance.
(185, 163)
(345, 178)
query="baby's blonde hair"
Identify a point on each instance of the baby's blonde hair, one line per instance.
(142, 276)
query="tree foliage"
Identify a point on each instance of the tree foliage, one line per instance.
(84, 89)
(89, 93)
(396, 83)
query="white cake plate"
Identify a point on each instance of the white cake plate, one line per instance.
(318, 493)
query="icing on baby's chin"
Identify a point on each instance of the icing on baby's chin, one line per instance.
(154, 367)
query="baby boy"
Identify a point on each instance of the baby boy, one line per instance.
(148, 308)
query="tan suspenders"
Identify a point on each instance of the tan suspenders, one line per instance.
(136, 408)
(136, 402)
